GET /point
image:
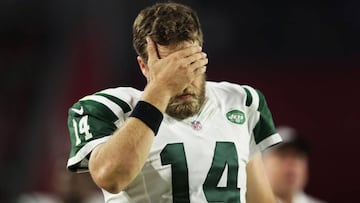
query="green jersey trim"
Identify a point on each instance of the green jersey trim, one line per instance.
(252, 98)
(114, 107)
(269, 141)
(265, 125)
(79, 162)
(104, 114)
(123, 105)
(248, 97)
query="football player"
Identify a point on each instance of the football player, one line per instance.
(182, 139)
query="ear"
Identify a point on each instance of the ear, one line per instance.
(143, 66)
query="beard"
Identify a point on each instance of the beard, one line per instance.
(181, 109)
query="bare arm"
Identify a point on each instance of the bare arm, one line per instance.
(258, 186)
(114, 164)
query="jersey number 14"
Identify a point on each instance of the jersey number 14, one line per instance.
(83, 129)
(225, 154)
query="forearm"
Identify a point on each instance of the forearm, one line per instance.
(258, 186)
(114, 164)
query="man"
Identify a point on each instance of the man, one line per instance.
(181, 139)
(287, 167)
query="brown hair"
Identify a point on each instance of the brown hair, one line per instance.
(166, 24)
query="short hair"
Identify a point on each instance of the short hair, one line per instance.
(167, 24)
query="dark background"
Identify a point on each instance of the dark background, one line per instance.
(303, 55)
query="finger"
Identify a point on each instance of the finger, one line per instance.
(198, 64)
(151, 49)
(193, 58)
(199, 71)
(187, 51)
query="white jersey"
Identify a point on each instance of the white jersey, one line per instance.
(301, 197)
(199, 159)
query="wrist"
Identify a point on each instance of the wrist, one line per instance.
(157, 96)
(148, 114)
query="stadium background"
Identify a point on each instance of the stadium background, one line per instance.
(303, 55)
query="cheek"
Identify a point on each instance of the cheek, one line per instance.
(302, 169)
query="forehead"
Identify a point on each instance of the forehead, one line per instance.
(169, 49)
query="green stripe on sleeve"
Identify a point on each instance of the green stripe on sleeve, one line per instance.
(123, 105)
(94, 122)
(98, 110)
(265, 126)
(248, 97)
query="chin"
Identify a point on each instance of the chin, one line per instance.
(183, 109)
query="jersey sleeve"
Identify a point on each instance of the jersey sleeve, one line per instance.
(261, 125)
(90, 122)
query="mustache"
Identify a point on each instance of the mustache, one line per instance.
(174, 100)
(187, 91)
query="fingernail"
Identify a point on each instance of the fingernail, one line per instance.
(148, 39)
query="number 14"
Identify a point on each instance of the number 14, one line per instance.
(84, 128)
(225, 154)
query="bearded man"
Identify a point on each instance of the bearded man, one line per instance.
(180, 140)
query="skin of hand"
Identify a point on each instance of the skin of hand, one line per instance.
(175, 71)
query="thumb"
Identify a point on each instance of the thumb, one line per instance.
(151, 49)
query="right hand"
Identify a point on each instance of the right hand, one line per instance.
(173, 73)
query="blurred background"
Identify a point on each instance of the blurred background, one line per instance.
(303, 55)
